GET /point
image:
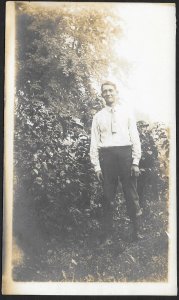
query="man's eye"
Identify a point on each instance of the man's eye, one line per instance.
(107, 91)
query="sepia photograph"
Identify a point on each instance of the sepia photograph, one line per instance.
(89, 156)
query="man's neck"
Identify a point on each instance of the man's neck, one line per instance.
(112, 104)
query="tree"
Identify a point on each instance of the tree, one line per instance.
(60, 54)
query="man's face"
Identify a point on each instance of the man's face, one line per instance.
(109, 94)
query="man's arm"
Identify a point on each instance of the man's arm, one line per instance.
(136, 145)
(94, 152)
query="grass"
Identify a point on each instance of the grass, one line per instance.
(75, 254)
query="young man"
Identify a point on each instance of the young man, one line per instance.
(115, 153)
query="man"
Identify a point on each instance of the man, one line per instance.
(115, 153)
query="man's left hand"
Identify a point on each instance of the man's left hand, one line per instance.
(135, 171)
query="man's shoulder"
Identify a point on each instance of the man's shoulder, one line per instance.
(124, 105)
(127, 108)
(100, 112)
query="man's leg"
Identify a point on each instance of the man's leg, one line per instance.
(129, 185)
(108, 161)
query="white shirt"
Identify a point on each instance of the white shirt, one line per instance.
(114, 127)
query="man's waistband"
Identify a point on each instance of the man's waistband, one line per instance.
(103, 149)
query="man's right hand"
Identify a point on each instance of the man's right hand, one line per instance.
(99, 175)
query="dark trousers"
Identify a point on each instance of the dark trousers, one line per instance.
(116, 165)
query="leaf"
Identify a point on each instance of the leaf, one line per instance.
(38, 165)
(77, 122)
(167, 233)
(64, 275)
(74, 262)
(35, 171)
(132, 258)
(30, 123)
(38, 180)
(45, 166)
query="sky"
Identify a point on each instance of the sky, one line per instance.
(148, 45)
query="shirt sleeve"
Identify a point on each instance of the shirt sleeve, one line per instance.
(135, 140)
(94, 149)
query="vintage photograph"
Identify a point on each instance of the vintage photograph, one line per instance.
(90, 196)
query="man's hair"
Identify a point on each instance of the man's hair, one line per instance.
(108, 83)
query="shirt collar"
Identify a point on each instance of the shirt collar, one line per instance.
(114, 108)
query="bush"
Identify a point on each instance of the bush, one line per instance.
(60, 54)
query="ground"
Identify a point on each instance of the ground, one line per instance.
(78, 255)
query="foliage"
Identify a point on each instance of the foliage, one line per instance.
(62, 55)
(59, 56)
(155, 158)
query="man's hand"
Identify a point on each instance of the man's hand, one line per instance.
(135, 171)
(99, 175)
